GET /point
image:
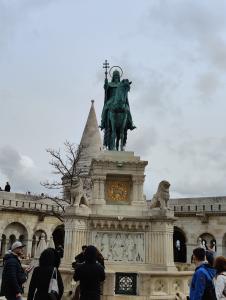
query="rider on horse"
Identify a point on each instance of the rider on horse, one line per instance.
(110, 90)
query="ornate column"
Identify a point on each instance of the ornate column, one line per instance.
(135, 190)
(138, 182)
(29, 247)
(161, 241)
(75, 238)
(98, 192)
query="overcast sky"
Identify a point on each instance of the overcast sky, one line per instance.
(174, 51)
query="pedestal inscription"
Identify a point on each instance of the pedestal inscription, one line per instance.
(126, 247)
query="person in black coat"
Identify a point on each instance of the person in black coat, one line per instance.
(90, 274)
(7, 187)
(40, 280)
(13, 275)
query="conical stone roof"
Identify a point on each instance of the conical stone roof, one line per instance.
(91, 141)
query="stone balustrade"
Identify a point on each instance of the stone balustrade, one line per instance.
(21, 202)
(199, 208)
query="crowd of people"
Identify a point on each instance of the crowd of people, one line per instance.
(208, 281)
(46, 282)
(7, 187)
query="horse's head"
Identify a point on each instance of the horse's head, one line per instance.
(120, 98)
(125, 84)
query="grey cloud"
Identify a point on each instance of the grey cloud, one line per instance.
(14, 13)
(202, 167)
(200, 22)
(207, 84)
(19, 170)
(142, 143)
(156, 93)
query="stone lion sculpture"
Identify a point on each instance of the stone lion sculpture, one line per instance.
(161, 198)
(78, 196)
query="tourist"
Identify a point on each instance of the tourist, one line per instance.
(49, 262)
(7, 187)
(13, 276)
(90, 274)
(80, 258)
(220, 277)
(60, 251)
(202, 287)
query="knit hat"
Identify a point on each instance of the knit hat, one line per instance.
(16, 245)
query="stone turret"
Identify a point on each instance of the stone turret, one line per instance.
(91, 148)
(91, 141)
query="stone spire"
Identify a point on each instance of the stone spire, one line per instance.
(91, 141)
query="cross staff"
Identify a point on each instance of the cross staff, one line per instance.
(106, 67)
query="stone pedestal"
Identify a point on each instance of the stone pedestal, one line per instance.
(117, 178)
(131, 236)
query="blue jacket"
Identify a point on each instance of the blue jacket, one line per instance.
(203, 275)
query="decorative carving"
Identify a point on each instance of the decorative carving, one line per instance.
(119, 225)
(126, 247)
(177, 285)
(118, 191)
(78, 196)
(161, 198)
(160, 286)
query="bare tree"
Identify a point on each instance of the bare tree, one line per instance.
(66, 166)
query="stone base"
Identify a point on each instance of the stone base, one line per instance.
(150, 285)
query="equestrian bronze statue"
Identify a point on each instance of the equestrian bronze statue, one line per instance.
(116, 118)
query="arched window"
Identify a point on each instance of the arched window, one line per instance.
(207, 241)
(179, 246)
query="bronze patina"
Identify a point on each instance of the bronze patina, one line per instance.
(116, 117)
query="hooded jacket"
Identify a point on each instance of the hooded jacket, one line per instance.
(40, 280)
(203, 275)
(13, 276)
(90, 274)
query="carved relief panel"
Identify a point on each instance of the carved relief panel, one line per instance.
(125, 247)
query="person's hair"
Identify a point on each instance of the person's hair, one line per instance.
(84, 247)
(49, 258)
(199, 253)
(210, 258)
(90, 254)
(220, 264)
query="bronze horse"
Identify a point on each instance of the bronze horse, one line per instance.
(118, 110)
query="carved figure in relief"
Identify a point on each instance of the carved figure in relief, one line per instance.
(118, 248)
(140, 248)
(78, 196)
(129, 249)
(104, 246)
(97, 241)
(161, 198)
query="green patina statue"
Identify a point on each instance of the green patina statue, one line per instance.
(116, 118)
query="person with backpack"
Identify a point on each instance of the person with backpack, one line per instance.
(202, 287)
(220, 277)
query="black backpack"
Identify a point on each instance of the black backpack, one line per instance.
(209, 293)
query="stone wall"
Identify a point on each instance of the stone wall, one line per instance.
(23, 217)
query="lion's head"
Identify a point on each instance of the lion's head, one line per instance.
(164, 185)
